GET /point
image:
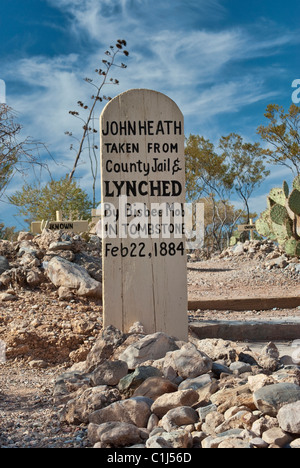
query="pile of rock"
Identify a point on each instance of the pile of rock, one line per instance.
(151, 391)
(68, 262)
(267, 252)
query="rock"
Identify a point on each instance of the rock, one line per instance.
(61, 272)
(29, 261)
(133, 381)
(115, 434)
(234, 410)
(229, 397)
(205, 393)
(25, 236)
(271, 350)
(69, 383)
(196, 383)
(65, 245)
(296, 357)
(203, 412)
(219, 368)
(4, 265)
(92, 264)
(295, 444)
(166, 402)
(130, 411)
(259, 381)
(188, 362)
(178, 439)
(258, 442)
(154, 387)
(137, 328)
(152, 422)
(109, 373)
(157, 442)
(109, 339)
(151, 347)
(212, 421)
(240, 367)
(289, 418)
(214, 442)
(35, 278)
(65, 294)
(234, 443)
(263, 424)
(217, 349)
(179, 417)
(270, 399)
(78, 410)
(268, 359)
(238, 249)
(38, 364)
(289, 374)
(240, 420)
(82, 327)
(280, 262)
(276, 436)
(27, 247)
(6, 297)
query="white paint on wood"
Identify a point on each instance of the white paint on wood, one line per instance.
(74, 226)
(150, 289)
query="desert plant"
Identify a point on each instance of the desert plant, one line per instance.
(281, 221)
(86, 115)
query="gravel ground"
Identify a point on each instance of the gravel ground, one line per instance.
(28, 417)
(36, 326)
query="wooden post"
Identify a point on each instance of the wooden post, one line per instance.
(142, 164)
(248, 227)
(59, 216)
(251, 231)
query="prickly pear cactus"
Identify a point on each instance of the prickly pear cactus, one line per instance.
(263, 227)
(296, 183)
(277, 196)
(294, 201)
(278, 214)
(281, 221)
(286, 189)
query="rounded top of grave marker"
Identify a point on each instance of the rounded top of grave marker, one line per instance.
(140, 93)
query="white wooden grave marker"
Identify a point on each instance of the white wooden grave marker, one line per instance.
(248, 227)
(77, 226)
(143, 196)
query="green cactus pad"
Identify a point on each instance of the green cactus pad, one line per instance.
(290, 247)
(280, 232)
(265, 215)
(278, 214)
(233, 241)
(262, 227)
(296, 183)
(286, 189)
(277, 196)
(289, 228)
(294, 201)
(291, 214)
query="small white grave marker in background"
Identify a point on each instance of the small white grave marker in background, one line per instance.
(248, 227)
(143, 196)
(78, 226)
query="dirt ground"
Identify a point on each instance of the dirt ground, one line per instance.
(233, 278)
(45, 336)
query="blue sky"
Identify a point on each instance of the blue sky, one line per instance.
(222, 61)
